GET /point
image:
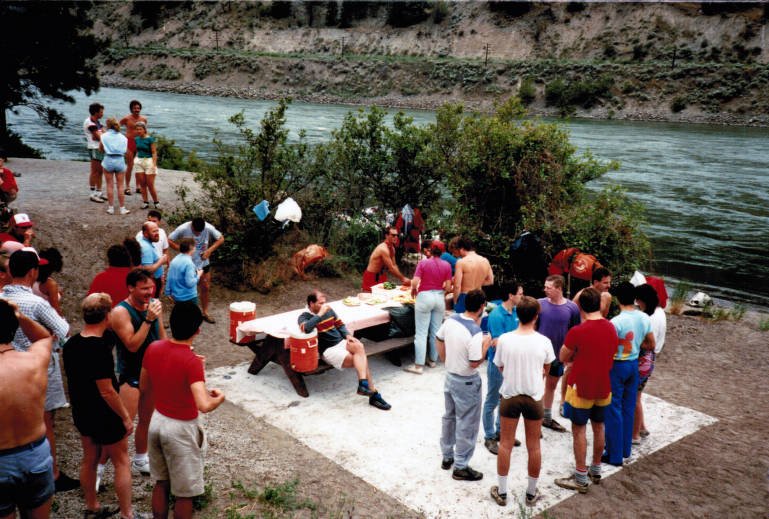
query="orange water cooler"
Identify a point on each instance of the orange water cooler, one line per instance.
(240, 312)
(304, 351)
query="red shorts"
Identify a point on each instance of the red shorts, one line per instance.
(132, 146)
(370, 279)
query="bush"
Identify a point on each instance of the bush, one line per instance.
(527, 92)
(171, 156)
(678, 104)
(13, 147)
(568, 94)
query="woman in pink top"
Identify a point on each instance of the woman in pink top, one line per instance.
(431, 281)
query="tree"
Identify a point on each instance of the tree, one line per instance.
(47, 51)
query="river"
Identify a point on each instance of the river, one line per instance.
(704, 186)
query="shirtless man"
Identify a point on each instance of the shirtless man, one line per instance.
(23, 444)
(129, 121)
(601, 282)
(383, 258)
(472, 272)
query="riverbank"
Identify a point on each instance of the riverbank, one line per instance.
(630, 111)
(715, 367)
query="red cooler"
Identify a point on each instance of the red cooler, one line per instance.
(240, 312)
(304, 351)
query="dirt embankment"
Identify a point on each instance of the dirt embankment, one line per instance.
(680, 62)
(718, 368)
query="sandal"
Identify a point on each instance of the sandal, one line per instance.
(101, 513)
(127, 191)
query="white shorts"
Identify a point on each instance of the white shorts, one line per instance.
(144, 165)
(335, 355)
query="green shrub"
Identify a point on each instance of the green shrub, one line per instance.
(568, 94)
(171, 156)
(678, 104)
(163, 71)
(527, 92)
(13, 147)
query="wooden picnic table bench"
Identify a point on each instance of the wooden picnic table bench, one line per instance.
(267, 335)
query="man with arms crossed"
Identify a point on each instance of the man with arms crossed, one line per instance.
(502, 319)
(129, 121)
(634, 331)
(202, 232)
(383, 258)
(174, 377)
(471, 272)
(99, 414)
(462, 346)
(523, 356)
(557, 316)
(590, 347)
(26, 465)
(338, 346)
(137, 321)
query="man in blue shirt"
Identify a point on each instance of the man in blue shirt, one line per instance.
(501, 320)
(151, 260)
(182, 283)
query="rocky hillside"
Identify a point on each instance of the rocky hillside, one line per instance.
(687, 61)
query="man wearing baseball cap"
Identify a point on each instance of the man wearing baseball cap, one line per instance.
(20, 231)
(23, 269)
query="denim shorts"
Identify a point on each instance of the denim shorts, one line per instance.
(26, 476)
(113, 164)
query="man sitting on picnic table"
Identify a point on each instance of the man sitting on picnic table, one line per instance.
(338, 346)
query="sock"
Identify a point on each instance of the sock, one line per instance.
(502, 485)
(100, 468)
(363, 383)
(548, 414)
(595, 469)
(580, 476)
(532, 488)
(141, 457)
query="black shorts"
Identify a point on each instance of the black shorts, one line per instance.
(207, 269)
(128, 379)
(103, 430)
(556, 368)
(518, 405)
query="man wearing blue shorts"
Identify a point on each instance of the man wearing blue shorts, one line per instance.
(26, 465)
(591, 347)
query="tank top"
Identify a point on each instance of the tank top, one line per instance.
(129, 363)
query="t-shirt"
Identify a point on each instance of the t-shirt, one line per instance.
(209, 232)
(86, 360)
(150, 255)
(173, 368)
(555, 320)
(451, 259)
(594, 343)
(9, 182)
(659, 328)
(88, 125)
(432, 273)
(632, 327)
(144, 146)
(464, 344)
(500, 321)
(114, 143)
(523, 357)
(112, 282)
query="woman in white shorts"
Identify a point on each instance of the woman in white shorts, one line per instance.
(146, 164)
(114, 146)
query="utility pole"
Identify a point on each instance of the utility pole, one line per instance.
(216, 37)
(486, 59)
(342, 45)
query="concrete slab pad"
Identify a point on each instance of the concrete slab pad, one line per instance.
(398, 451)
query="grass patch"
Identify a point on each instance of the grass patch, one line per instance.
(763, 324)
(678, 299)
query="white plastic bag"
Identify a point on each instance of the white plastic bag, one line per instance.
(288, 210)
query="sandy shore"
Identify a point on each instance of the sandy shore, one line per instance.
(717, 368)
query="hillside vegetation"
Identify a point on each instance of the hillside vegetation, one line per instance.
(652, 61)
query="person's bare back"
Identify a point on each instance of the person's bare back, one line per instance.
(23, 381)
(472, 272)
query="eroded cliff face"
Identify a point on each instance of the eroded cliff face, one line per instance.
(680, 61)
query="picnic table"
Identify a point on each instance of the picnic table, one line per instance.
(267, 337)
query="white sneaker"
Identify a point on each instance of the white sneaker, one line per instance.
(143, 467)
(95, 197)
(102, 196)
(123, 210)
(110, 210)
(414, 368)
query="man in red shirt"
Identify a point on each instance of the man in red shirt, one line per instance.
(8, 186)
(591, 347)
(112, 280)
(174, 376)
(20, 230)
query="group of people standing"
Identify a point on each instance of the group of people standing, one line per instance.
(114, 156)
(530, 345)
(155, 378)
